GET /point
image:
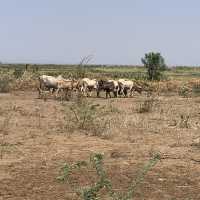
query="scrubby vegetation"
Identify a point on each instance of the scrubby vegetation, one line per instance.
(83, 114)
(154, 64)
(103, 183)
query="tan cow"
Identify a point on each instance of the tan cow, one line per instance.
(55, 84)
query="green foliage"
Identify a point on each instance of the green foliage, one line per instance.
(93, 191)
(140, 178)
(67, 169)
(18, 72)
(184, 91)
(155, 64)
(6, 148)
(107, 71)
(84, 115)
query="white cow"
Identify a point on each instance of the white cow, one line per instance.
(49, 82)
(53, 84)
(116, 85)
(124, 86)
(86, 86)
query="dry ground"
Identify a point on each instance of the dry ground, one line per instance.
(35, 144)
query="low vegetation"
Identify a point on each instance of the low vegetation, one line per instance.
(147, 105)
(6, 80)
(102, 183)
(184, 91)
(85, 115)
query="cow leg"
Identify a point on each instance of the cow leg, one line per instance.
(131, 92)
(87, 92)
(98, 93)
(82, 89)
(39, 92)
(106, 94)
(109, 94)
(125, 92)
(84, 92)
(115, 94)
(66, 94)
(57, 91)
(90, 92)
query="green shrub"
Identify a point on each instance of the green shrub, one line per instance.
(18, 72)
(184, 91)
(154, 64)
(102, 183)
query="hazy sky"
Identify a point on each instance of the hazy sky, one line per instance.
(114, 31)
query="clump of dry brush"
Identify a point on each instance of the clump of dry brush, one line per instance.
(17, 80)
(84, 115)
(6, 78)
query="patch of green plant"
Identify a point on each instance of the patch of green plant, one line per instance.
(184, 91)
(155, 65)
(18, 72)
(102, 183)
(67, 169)
(5, 148)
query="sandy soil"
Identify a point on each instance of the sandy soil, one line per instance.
(34, 145)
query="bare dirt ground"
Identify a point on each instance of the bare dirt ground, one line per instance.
(35, 144)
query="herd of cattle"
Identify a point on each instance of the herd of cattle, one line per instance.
(120, 87)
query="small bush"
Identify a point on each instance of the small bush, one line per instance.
(5, 82)
(196, 89)
(4, 85)
(18, 72)
(147, 105)
(184, 91)
(103, 183)
(184, 122)
(27, 81)
(84, 115)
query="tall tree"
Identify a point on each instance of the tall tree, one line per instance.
(155, 64)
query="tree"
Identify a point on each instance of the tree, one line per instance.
(155, 65)
(81, 68)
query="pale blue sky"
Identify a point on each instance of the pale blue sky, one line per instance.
(114, 31)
